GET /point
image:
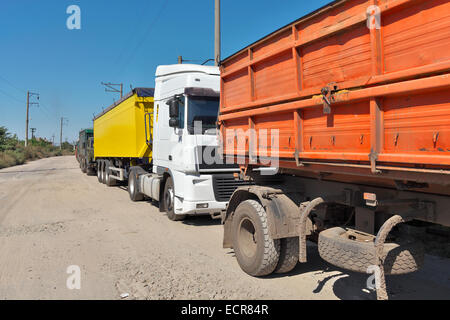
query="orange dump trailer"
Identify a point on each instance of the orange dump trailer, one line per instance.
(357, 97)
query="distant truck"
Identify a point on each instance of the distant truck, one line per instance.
(76, 151)
(149, 140)
(85, 151)
(358, 99)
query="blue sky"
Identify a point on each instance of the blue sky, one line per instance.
(119, 41)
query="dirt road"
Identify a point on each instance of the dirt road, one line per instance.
(53, 216)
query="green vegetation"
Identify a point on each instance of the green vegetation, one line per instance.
(13, 151)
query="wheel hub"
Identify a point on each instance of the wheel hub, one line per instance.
(247, 238)
(132, 186)
(169, 199)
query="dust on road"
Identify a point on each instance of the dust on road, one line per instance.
(52, 216)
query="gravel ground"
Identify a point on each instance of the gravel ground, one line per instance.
(53, 216)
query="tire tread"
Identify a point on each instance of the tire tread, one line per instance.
(271, 253)
(400, 258)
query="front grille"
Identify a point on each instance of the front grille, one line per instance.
(224, 186)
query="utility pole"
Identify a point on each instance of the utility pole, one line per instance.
(60, 134)
(29, 95)
(112, 87)
(180, 59)
(217, 33)
(33, 130)
(53, 140)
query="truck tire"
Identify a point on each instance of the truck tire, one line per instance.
(104, 166)
(99, 170)
(90, 171)
(256, 252)
(289, 254)
(133, 180)
(108, 180)
(83, 166)
(335, 247)
(168, 201)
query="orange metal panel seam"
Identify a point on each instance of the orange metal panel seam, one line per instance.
(400, 88)
(369, 80)
(251, 76)
(376, 131)
(253, 148)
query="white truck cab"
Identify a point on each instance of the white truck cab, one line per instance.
(183, 180)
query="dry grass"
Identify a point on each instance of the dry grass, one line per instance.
(21, 154)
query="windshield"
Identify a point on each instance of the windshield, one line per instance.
(203, 109)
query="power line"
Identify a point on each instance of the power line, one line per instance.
(49, 114)
(111, 87)
(12, 85)
(143, 12)
(144, 38)
(11, 97)
(54, 115)
(49, 117)
(46, 113)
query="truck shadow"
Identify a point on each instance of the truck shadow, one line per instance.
(347, 285)
(201, 221)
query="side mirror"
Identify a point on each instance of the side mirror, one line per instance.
(173, 108)
(174, 123)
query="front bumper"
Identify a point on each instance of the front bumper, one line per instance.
(190, 207)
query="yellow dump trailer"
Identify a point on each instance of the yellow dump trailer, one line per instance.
(125, 129)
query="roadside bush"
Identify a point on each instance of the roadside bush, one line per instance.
(13, 151)
(18, 156)
(10, 158)
(6, 160)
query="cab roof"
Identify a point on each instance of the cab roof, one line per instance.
(89, 130)
(166, 70)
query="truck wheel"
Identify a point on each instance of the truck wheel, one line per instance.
(83, 166)
(133, 191)
(256, 252)
(288, 255)
(99, 170)
(169, 201)
(110, 182)
(104, 166)
(355, 251)
(90, 170)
